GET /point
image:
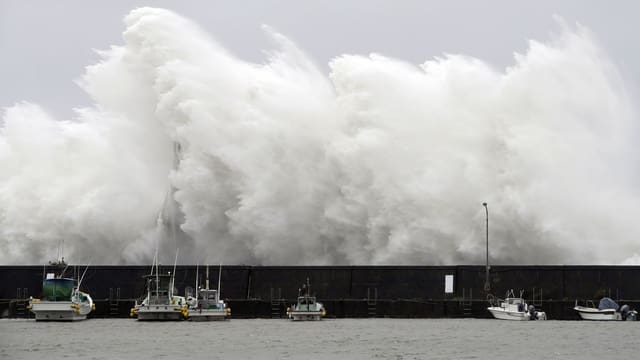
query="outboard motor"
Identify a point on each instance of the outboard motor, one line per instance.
(627, 314)
(624, 311)
(533, 314)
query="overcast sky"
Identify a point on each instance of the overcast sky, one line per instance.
(45, 45)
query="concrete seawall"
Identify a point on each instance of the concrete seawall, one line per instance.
(347, 291)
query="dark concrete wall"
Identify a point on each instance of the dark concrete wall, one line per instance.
(351, 290)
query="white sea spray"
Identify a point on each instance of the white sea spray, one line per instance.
(381, 162)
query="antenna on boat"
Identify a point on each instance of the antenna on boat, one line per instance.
(206, 284)
(60, 249)
(196, 281)
(82, 277)
(173, 276)
(157, 274)
(219, 278)
(65, 268)
(154, 263)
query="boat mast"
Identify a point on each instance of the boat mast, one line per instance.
(63, 270)
(157, 275)
(196, 281)
(206, 285)
(153, 264)
(173, 276)
(82, 277)
(219, 278)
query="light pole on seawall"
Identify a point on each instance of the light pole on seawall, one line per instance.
(487, 285)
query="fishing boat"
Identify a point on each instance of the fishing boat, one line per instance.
(160, 302)
(607, 310)
(61, 298)
(207, 305)
(514, 308)
(306, 308)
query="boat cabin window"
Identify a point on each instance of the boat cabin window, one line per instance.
(306, 300)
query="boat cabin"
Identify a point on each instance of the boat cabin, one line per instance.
(158, 289)
(209, 299)
(514, 304)
(306, 303)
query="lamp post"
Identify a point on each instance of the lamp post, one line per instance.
(487, 285)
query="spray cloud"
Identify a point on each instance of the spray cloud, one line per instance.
(381, 162)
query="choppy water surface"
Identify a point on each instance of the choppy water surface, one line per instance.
(328, 339)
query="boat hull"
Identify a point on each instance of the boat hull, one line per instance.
(593, 314)
(305, 315)
(502, 314)
(208, 315)
(160, 313)
(59, 311)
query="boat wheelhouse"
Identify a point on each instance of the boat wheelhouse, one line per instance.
(61, 298)
(306, 308)
(159, 302)
(207, 305)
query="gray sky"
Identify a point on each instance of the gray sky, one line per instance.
(45, 45)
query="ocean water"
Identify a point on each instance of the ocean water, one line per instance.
(327, 339)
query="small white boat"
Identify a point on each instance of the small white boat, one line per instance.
(607, 310)
(62, 299)
(590, 313)
(160, 303)
(307, 308)
(515, 308)
(207, 306)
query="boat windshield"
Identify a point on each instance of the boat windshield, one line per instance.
(306, 300)
(57, 289)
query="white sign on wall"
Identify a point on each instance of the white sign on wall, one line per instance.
(448, 284)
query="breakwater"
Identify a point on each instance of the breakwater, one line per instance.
(346, 291)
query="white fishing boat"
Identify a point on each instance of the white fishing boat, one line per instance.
(591, 313)
(515, 308)
(306, 308)
(207, 305)
(160, 302)
(607, 310)
(61, 299)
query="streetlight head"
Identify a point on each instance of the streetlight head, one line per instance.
(484, 204)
